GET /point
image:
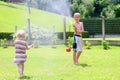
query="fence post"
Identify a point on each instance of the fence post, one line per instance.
(29, 32)
(29, 23)
(103, 27)
(64, 29)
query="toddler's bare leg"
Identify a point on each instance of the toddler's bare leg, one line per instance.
(20, 69)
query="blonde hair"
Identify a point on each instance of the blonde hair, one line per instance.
(77, 14)
(20, 33)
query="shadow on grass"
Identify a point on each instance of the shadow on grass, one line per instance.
(83, 65)
(25, 78)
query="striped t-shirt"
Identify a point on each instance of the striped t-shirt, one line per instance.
(20, 46)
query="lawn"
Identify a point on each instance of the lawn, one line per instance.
(46, 63)
(12, 15)
(111, 39)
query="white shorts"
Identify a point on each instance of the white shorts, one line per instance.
(79, 44)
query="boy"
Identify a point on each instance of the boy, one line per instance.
(77, 40)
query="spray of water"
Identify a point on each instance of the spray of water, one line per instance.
(61, 7)
(44, 35)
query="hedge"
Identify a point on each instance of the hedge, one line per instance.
(85, 34)
(7, 36)
(94, 26)
(13, 0)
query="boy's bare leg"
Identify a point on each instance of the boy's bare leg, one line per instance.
(78, 55)
(74, 57)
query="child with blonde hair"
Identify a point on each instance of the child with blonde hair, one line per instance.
(20, 51)
(77, 40)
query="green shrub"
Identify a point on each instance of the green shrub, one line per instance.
(88, 45)
(85, 34)
(105, 44)
(3, 43)
(36, 43)
(69, 34)
(69, 41)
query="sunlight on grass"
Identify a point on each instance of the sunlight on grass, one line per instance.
(55, 64)
(114, 39)
(12, 15)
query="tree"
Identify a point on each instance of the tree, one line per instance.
(84, 7)
(99, 5)
(109, 8)
(89, 7)
(109, 12)
(83, 11)
(117, 10)
(115, 1)
(74, 6)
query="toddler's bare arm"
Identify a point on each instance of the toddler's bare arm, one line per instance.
(28, 47)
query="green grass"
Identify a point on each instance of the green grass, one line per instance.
(46, 63)
(16, 14)
(112, 39)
